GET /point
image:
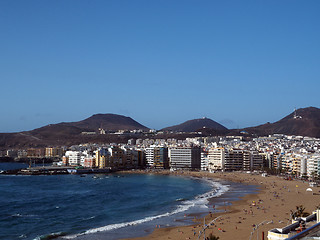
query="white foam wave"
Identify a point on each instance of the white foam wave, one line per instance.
(24, 215)
(85, 219)
(200, 201)
(16, 215)
(217, 190)
(125, 224)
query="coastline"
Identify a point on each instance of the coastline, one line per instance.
(181, 215)
(269, 208)
(270, 203)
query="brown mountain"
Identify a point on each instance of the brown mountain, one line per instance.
(70, 133)
(302, 122)
(196, 125)
(109, 122)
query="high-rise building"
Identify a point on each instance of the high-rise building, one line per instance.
(74, 157)
(247, 161)
(157, 157)
(313, 165)
(150, 156)
(128, 158)
(257, 160)
(141, 158)
(101, 156)
(161, 158)
(116, 156)
(216, 159)
(185, 157)
(233, 160)
(204, 160)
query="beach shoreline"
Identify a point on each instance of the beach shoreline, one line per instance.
(268, 208)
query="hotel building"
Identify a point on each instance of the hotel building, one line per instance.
(185, 157)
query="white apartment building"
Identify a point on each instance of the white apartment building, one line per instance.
(150, 156)
(294, 163)
(204, 161)
(74, 157)
(313, 165)
(84, 155)
(216, 157)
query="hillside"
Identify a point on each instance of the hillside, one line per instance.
(302, 122)
(196, 125)
(112, 122)
(67, 133)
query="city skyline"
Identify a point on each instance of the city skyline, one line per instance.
(241, 64)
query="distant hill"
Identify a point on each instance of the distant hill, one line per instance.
(70, 132)
(196, 125)
(302, 122)
(109, 122)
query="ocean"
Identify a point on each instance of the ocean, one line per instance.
(103, 206)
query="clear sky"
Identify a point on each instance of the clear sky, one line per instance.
(161, 62)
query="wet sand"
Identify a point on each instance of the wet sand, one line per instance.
(269, 208)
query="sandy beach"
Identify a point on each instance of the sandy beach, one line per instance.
(269, 208)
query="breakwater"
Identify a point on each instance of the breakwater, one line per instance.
(54, 170)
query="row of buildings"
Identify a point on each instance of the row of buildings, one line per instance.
(295, 155)
(48, 152)
(122, 157)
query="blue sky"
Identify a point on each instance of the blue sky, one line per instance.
(241, 63)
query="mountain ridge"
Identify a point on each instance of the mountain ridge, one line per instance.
(68, 133)
(109, 121)
(301, 122)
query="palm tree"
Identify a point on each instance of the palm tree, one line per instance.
(299, 212)
(212, 237)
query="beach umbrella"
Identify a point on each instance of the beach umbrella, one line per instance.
(309, 190)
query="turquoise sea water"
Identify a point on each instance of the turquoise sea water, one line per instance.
(98, 206)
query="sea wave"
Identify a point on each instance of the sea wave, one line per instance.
(50, 236)
(199, 201)
(217, 189)
(24, 215)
